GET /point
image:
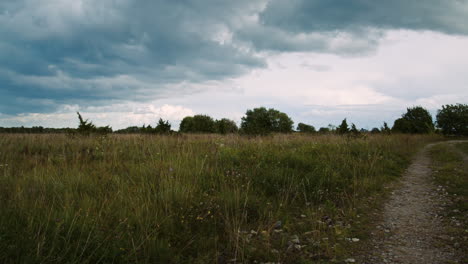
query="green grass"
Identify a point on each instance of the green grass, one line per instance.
(189, 198)
(451, 172)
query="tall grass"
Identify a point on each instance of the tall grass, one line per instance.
(188, 199)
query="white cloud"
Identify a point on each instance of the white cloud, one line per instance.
(116, 115)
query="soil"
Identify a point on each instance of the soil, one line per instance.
(412, 229)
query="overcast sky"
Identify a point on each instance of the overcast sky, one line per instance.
(130, 62)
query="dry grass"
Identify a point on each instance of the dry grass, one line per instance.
(190, 198)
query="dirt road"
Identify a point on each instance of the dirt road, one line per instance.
(412, 230)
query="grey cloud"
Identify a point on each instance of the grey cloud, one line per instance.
(348, 27)
(448, 16)
(93, 43)
(86, 52)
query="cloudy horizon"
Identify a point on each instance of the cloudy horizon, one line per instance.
(125, 62)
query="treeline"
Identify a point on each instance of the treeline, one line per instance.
(450, 120)
(35, 130)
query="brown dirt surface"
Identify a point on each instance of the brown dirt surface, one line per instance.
(412, 229)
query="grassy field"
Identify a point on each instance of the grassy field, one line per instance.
(190, 198)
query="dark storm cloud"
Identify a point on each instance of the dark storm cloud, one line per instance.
(76, 44)
(448, 16)
(56, 52)
(348, 27)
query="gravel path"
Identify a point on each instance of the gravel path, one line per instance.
(412, 230)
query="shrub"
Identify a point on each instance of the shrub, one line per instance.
(324, 130)
(304, 128)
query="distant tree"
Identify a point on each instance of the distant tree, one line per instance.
(354, 131)
(343, 128)
(453, 119)
(304, 128)
(36, 130)
(186, 124)
(416, 120)
(375, 130)
(226, 126)
(385, 129)
(324, 130)
(261, 121)
(147, 129)
(129, 130)
(103, 130)
(163, 127)
(85, 127)
(197, 124)
(401, 125)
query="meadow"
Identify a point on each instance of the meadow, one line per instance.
(192, 198)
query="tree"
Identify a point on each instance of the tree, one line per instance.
(163, 127)
(197, 124)
(85, 127)
(304, 128)
(261, 121)
(453, 119)
(354, 131)
(375, 130)
(324, 130)
(343, 128)
(103, 130)
(226, 126)
(385, 129)
(186, 124)
(416, 120)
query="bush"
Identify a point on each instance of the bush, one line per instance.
(261, 121)
(304, 128)
(324, 130)
(453, 119)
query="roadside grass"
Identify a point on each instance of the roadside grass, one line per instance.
(191, 198)
(450, 172)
